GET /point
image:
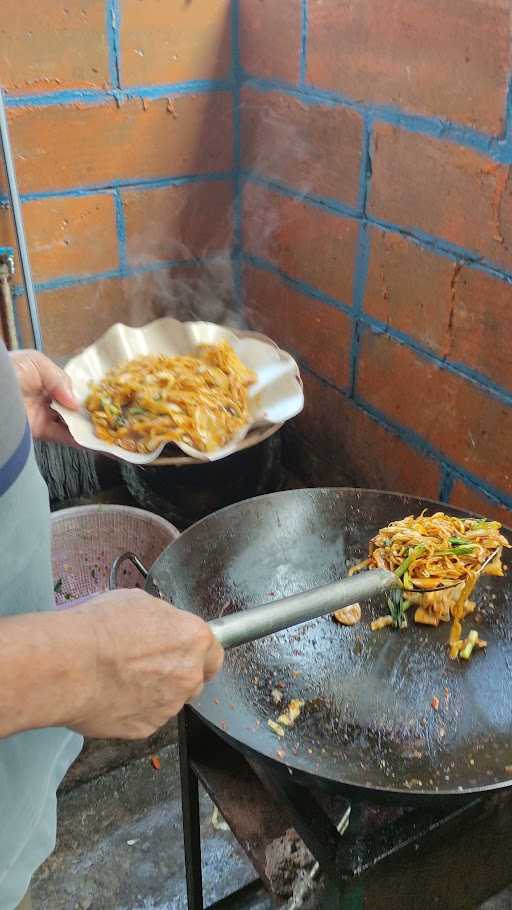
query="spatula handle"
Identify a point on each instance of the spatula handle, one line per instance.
(249, 625)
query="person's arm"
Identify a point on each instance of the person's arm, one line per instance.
(118, 667)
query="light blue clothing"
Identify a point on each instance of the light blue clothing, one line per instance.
(32, 764)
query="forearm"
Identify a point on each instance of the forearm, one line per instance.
(45, 670)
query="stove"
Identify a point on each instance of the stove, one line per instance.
(315, 851)
(187, 493)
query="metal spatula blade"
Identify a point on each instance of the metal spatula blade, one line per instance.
(457, 584)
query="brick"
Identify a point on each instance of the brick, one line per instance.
(164, 42)
(70, 236)
(48, 47)
(6, 228)
(76, 316)
(479, 335)
(458, 312)
(468, 497)
(270, 38)
(364, 453)
(306, 242)
(86, 145)
(313, 148)
(448, 60)
(316, 333)
(409, 288)
(453, 414)
(177, 222)
(443, 189)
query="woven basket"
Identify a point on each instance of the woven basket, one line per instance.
(87, 539)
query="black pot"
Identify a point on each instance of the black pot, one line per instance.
(187, 493)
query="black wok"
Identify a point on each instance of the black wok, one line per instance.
(368, 721)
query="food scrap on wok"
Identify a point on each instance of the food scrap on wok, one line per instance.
(287, 718)
(200, 400)
(438, 559)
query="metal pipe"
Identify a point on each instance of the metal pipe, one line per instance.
(249, 625)
(6, 271)
(14, 199)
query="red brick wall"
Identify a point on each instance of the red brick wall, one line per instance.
(376, 235)
(121, 118)
(366, 148)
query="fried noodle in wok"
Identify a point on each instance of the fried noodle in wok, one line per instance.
(429, 553)
(200, 400)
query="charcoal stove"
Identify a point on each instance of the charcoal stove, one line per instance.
(446, 855)
(185, 492)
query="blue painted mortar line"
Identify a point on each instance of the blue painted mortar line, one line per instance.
(418, 443)
(508, 115)
(304, 42)
(459, 369)
(191, 87)
(67, 281)
(363, 254)
(470, 258)
(66, 96)
(446, 487)
(366, 167)
(422, 445)
(163, 265)
(326, 202)
(112, 31)
(237, 157)
(95, 97)
(131, 184)
(120, 230)
(495, 147)
(478, 488)
(360, 277)
(295, 284)
(443, 247)
(491, 146)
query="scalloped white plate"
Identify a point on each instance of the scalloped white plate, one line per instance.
(275, 397)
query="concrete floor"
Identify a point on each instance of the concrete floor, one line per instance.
(120, 848)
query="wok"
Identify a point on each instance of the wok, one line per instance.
(368, 723)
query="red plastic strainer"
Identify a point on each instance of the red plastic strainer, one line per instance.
(87, 539)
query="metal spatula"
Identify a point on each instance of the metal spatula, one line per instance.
(249, 625)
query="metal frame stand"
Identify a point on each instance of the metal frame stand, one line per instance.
(191, 823)
(449, 856)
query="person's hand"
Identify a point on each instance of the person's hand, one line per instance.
(150, 659)
(41, 381)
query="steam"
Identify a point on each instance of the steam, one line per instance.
(204, 287)
(275, 150)
(201, 286)
(201, 290)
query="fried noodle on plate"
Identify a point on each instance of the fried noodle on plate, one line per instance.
(200, 400)
(428, 554)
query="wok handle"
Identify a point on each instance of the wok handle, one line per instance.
(249, 625)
